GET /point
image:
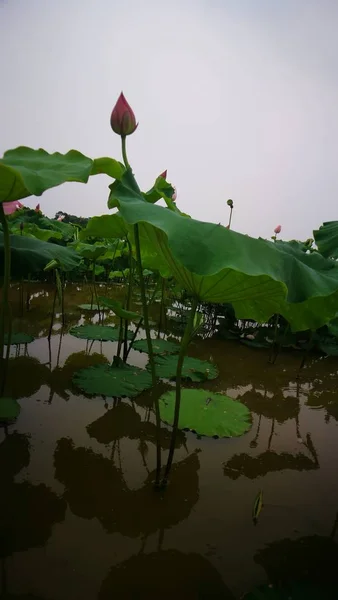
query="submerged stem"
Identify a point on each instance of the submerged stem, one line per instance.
(183, 350)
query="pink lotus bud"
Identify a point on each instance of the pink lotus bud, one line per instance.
(164, 174)
(37, 208)
(10, 207)
(278, 229)
(60, 218)
(122, 119)
(174, 196)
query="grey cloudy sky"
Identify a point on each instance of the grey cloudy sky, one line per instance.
(236, 98)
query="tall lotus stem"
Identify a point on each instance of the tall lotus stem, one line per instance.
(183, 350)
(6, 280)
(146, 326)
(128, 299)
(231, 204)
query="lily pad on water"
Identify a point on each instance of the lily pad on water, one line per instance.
(207, 413)
(113, 381)
(103, 333)
(87, 306)
(159, 346)
(193, 368)
(9, 410)
(19, 338)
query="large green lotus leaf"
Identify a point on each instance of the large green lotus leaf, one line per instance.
(326, 238)
(29, 255)
(90, 251)
(159, 346)
(25, 172)
(113, 381)
(259, 278)
(9, 409)
(105, 226)
(19, 338)
(37, 224)
(118, 309)
(103, 333)
(193, 368)
(109, 166)
(207, 413)
(32, 230)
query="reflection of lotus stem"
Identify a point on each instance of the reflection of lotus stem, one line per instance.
(183, 350)
(146, 325)
(6, 280)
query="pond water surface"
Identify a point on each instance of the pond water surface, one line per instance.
(79, 518)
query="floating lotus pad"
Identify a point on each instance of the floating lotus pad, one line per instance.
(193, 368)
(112, 381)
(9, 410)
(207, 413)
(103, 333)
(19, 338)
(159, 346)
(95, 307)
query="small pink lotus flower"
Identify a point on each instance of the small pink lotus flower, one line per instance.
(37, 208)
(122, 119)
(10, 207)
(164, 174)
(278, 229)
(60, 218)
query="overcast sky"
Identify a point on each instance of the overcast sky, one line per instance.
(236, 98)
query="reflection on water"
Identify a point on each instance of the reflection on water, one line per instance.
(79, 516)
(162, 574)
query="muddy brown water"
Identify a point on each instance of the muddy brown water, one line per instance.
(79, 518)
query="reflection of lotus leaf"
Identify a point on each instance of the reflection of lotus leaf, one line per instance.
(103, 333)
(278, 407)
(159, 346)
(61, 377)
(27, 514)
(19, 338)
(9, 410)
(123, 421)
(293, 591)
(326, 399)
(96, 488)
(207, 413)
(267, 462)
(193, 368)
(25, 376)
(313, 558)
(113, 381)
(14, 455)
(165, 574)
